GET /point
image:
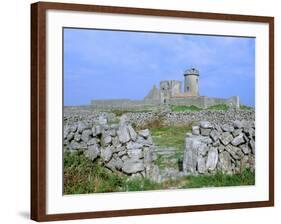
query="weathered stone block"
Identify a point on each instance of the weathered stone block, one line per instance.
(195, 130)
(214, 135)
(206, 125)
(135, 153)
(225, 162)
(238, 140)
(144, 133)
(132, 166)
(227, 128)
(201, 164)
(106, 153)
(86, 135)
(205, 131)
(212, 159)
(226, 138)
(132, 133)
(93, 152)
(123, 134)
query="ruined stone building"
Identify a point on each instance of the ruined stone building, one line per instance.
(170, 93)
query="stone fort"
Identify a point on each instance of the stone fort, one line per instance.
(169, 93)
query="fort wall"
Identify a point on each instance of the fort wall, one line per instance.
(198, 101)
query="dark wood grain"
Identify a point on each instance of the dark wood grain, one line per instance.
(38, 110)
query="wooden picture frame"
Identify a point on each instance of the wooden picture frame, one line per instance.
(39, 87)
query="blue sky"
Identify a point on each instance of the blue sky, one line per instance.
(101, 64)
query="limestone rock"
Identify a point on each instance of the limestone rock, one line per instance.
(201, 164)
(106, 140)
(237, 132)
(237, 124)
(123, 134)
(70, 136)
(144, 133)
(238, 140)
(221, 148)
(92, 141)
(134, 145)
(205, 131)
(148, 156)
(74, 145)
(227, 128)
(212, 159)
(66, 131)
(82, 126)
(132, 166)
(132, 133)
(203, 149)
(252, 145)
(115, 164)
(98, 130)
(244, 163)
(235, 152)
(135, 153)
(106, 153)
(195, 130)
(245, 149)
(214, 135)
(206, 125)
(73, 128)
(86, 135)
(93, 152)
(153, 173)
(192, 146)
(112, 132)
(225, 162)
(77, 137)
(226, 138)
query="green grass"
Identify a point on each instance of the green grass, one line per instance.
(224, 107)
(218, 107)
(121, 112)
(169, 137)
(244, 107)
(219, 179)
(179, 108)
(172, 136)
(82, 176)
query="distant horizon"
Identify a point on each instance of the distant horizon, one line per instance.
(103, 64)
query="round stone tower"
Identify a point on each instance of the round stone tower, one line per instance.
(191, 80)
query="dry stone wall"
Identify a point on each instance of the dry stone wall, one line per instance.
(188, 117)
(119, 147)
(211, 147)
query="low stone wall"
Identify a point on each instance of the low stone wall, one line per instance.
(118, 146)
(229, 148)
(189, 117)
(124, 104)
(72, 115)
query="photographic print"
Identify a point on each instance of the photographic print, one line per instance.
(140, 111)
(157, 111)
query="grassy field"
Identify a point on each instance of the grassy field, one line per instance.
(169, 136)
(179, 108)
(224, 107)
(82, 176)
